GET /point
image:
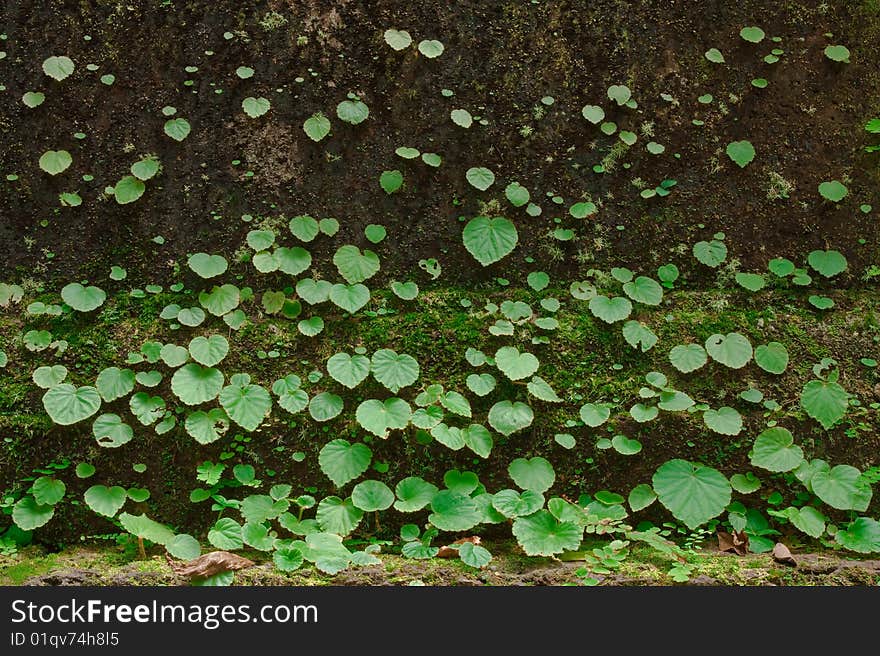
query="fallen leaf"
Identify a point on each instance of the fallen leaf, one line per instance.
(450, 552)
(781, 554)
(737, 542)
(215, 562)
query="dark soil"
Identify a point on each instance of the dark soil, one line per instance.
(500, 60)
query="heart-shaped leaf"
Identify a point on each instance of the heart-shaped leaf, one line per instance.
(741, 152)
(67, 404)
(343, 461)
(509, 417)
(489, 239)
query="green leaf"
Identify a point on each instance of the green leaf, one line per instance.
(146, 528)
(754, 282)
(58, 67)
(512, 504)
(861, 536)
(714, 55)
(541, 534)
(644, 290)
(355, 266)
(478, 439)
(463, 482)
(314, 292)
(255, 107)
(775, 450)
(391, 181)
(226, 534)
(145, 168)
(372, 496)
(481, 384)
(246, 404)
(741, 152)
(541, 390)
(535, 474)
(207, 427)
(194, 384)
(625, 446)
(350, 298)
(177, 128)
(398, 39)
(461, 117)
(379, 417)
(638, 335)
(448, 436)
(207, 266)
(209, 351)
(772, 357)
(474, 555)
(128, 190)
(67, 404)
(114, 383)
(724, 421)
(687, 357)
(85, 470)
(220, 300)
(316, 127)
(745, 483)
(693, 493)
(593, 113)
(641, 496)
(841, 487)
(343, 461)
(325, 406)
(516, 194)
(375, 233)
(29, 515)
(833, 190)
(515, 365)
(83, 299)
(304, 228)
(489, 239)
(54, 162)
(349, 370)
(619, 93)
(48, 491)
(172, 355)
(394, 371)
(824, 401)
(711, 253)
(807, 519)
(352, 111)
(431, 48)
(480, 177)
(594, 415)
(110, 431)
(509, 417)
(752, 34)
(456, 403)
(406, 291)
(413, 494)
(49, 376)
(827, 263)
(105, 500)
(610, 310)
(732, 350)
(184, 546)
(453, 511)
(338, 516)
(287, 559)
